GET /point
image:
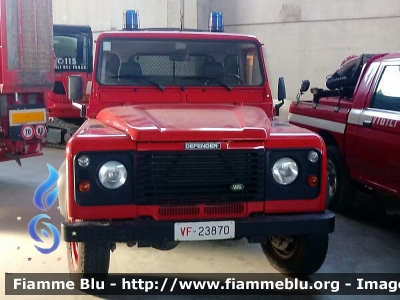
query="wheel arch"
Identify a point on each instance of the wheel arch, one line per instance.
(328, 138)
(62, 189)
(331, 140)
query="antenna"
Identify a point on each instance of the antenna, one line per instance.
(182, 12)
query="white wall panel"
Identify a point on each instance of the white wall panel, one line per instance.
(303, 39)
(310, 38)
(104, 15)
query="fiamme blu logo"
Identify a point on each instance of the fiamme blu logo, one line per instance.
(44, 198)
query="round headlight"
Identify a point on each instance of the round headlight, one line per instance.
(285, 171)
(312, 156)
(112, 174)
(83, 161)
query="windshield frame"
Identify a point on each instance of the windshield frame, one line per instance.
(256, 50)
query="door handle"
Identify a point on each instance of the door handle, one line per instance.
(367, 123)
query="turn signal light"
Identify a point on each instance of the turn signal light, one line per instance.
(312, 180)
(84, 186)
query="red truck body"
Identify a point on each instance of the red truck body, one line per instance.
(26, 73)
(364, 128)
(73, 47)
(198, 151)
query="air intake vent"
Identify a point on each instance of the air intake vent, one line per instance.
(221, 209)
(181, 210)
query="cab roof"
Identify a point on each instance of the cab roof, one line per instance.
(387, 56)
(177, 34)
(72, 28)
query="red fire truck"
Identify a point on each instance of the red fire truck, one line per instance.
(180, 144)
(26, 73)
(358, 116)
(73, 46)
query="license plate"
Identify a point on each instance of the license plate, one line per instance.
(204, 231)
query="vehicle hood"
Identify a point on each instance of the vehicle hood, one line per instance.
(188, 122)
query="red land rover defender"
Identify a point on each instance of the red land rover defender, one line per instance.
(180, 144)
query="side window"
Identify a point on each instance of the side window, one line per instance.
(387, 94)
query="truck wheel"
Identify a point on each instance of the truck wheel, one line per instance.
(299, 255)
(86, 260)
(342, 189)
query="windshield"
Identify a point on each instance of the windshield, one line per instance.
(73, 51)
(146, 62)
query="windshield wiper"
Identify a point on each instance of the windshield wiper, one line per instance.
(214, 79)
(140, 78)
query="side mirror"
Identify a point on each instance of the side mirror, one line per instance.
(281, 94)
(75, 86)
(75, 92)
(281, 89)
(305, 85)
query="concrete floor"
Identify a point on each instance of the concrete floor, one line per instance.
(364, 241)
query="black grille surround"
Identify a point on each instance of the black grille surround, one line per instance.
(184, 177)
(212, 177)
(299, 189)
(99, 195)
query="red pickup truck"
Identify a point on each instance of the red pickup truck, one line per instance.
(358, 117)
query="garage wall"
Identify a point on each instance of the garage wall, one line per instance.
(303, 39)
(104, 15)
(310, 38)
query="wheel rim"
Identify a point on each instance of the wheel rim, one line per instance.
(74, 255)
(332, 179)
(284, 246)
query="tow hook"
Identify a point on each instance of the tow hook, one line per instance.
(15, 157)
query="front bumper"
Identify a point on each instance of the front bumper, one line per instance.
(256, 229)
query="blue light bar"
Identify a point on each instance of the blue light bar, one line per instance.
(216, 22)
(131, 20)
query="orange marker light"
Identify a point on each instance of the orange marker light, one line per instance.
(312, 180)
(84, 186)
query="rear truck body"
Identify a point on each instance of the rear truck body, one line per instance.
(73, 47)
(359, 119)
(180, 144)
(26, 74)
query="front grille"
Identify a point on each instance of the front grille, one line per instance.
(178, 177)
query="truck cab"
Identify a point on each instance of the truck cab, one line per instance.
(180, 144)
(359, 118)
(73, 48)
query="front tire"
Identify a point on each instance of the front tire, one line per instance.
(342, 188)
(88, 260)
(299, 255)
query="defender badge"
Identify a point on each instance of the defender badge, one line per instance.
(203, 146)
(236, 187)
